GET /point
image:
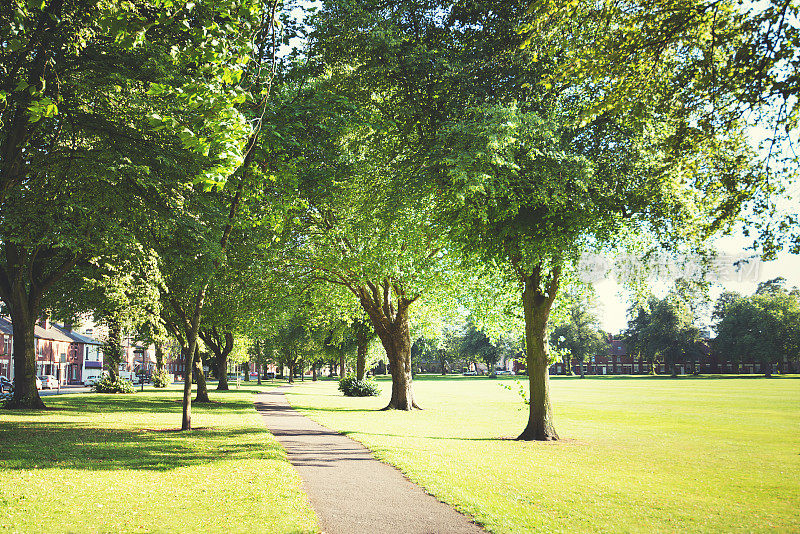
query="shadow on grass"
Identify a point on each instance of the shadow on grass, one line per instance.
(36, 443)
(43, 445)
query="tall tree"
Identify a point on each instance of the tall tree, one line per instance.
(80, 164)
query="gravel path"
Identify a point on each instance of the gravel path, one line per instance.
(351, 491)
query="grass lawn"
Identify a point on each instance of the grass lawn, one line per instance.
(638, 454)
(106, 463)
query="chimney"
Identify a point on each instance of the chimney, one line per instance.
(45, 322)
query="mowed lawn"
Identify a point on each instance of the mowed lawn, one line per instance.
(638, 454)
(113, 463)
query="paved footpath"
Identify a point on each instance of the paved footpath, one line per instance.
(351, 491)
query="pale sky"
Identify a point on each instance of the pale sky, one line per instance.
(613, 298)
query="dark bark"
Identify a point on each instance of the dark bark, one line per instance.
(536, 306)
(259, 370)
(112, 348)
(221, 344)
(342, 366)
(314, 372)
(25, 393)
(159, 357)
(361, 358)
(202, 389)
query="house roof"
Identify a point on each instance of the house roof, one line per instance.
(52, 333)
(75, 336)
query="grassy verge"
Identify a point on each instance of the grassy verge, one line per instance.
(638, 454)
(105, 463)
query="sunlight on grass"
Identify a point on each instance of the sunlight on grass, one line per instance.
(637, 454)
(105, 463)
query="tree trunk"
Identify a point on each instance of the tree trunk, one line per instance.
(583, 372)
(674, 368)
(397, 343)
(112, 349)
(202, 389)
(291, 373)
(361, 358)
(536, 306)
(188, 364)
(159, 357)
(302, 371)
(259, 370)
(25, 393)
(222, 372)
(342, 367)
(314, 372)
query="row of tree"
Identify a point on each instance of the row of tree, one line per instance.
(172, 166)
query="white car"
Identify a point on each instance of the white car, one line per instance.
(91, 380)
(503, 372)
(48, 381)
(38, 383)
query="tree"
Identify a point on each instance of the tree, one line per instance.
(580, 337)
(720, 62)
(475, 343)
(81, 165)
(362, 226)
(528, 182)
(664, 330)
(764, 327)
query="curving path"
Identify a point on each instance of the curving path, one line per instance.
(351, 491)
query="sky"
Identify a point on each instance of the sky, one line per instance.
(614, 299)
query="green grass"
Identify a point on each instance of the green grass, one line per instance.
(106, 463)
(637, 454)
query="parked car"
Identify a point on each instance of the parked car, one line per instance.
(470, 373)
(92, 380)
(503, 372)
(38, 383)
(6, 385)
(270, 374)
(48, 381)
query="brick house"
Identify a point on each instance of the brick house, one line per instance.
(59, 352)
(85, 356)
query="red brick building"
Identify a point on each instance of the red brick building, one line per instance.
(59, 352)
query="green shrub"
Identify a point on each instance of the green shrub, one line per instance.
(353, 387)
(107, 385)
(5, 398)
(161, 379)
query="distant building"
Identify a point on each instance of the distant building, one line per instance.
(59, 352)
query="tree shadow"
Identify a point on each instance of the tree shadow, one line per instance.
(42, 445)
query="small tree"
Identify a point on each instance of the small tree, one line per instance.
(580, 337)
